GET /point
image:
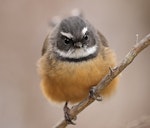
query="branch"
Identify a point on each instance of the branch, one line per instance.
(137, 48)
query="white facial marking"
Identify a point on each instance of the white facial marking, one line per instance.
(84, 30)
(68, 35)
(78, 53)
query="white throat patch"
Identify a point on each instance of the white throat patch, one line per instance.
(78, 53)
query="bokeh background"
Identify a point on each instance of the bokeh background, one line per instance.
(23, 28)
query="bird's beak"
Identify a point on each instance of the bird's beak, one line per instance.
(78, 45)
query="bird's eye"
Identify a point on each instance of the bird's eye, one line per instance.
(67, 41)
(85, 37)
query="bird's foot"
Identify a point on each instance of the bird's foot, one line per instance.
(67, 115)
(94, 95)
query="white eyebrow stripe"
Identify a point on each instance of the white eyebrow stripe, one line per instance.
(84, 30)
(68, 35)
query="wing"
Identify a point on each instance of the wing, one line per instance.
(45, 45)
(103, 39)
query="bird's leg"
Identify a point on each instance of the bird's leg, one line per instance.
(67, 115)
(92, 94)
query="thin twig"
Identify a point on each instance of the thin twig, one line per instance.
(137, 48)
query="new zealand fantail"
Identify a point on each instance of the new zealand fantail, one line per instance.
(75, 57)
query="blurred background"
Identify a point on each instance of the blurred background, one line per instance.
(23, 28)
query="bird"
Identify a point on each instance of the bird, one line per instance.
(75, 57)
